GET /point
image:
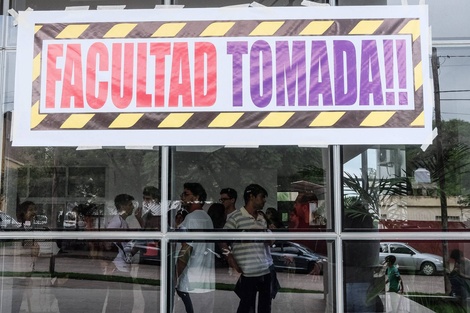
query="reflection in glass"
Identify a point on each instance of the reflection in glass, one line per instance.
(367, 275)
(400, 187)
(78, 276)
(295, 179)
(62, 181)
(305, 283)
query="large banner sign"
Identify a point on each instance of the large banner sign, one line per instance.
(229, 76)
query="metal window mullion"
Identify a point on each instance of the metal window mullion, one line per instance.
(165, 178)
(337, 202)
(218, 236)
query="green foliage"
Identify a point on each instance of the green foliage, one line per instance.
(456, 158)
(365, 198)
(244, 165)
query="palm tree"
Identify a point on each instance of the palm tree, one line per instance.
(362, 207)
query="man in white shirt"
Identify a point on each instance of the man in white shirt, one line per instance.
(121, 298)
(195, 267)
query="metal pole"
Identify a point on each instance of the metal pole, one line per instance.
(440, 164)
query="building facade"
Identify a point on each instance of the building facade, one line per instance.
(81, 231)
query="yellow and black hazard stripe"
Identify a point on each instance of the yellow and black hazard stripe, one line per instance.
(233, 120)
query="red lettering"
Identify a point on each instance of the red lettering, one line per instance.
(97, 60)
(205, 86)
(72, 87)
(122, 74)
(143, 99)
(53, 73)
(101, 76)
(180, 81)
(160, 50)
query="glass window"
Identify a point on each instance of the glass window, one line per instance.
(11, 32)
(80, 276)
(294, 180)
(9, 82)
(296, 282)
(401, 190)
(389, 188)
(119, 187)
(92, 4)
(372, 280)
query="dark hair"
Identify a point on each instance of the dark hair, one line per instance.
(456, 254)
(152, 191)
(217, 214)
(391, 259)
(272, 211)
(197, 190)
(274, 217)
(307, 197)
(232, 193)
(22, 210)
(253, 189)
(88, 209)
(122, 199)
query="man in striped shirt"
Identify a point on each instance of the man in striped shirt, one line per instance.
(251, 258)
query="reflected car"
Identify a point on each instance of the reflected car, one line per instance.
(410, 259)
(292, 256)
(6, 221)
(40, 220)
(149, 251)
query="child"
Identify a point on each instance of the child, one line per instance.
(393, 275)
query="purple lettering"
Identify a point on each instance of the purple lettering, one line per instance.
(237, 49)
(370, 74)
(401, 64)
(290, 73)
(261, 73)
(320, 82)
(389, 72)
(345, 72)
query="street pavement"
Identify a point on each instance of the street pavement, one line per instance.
(49, 294)
(44, 294)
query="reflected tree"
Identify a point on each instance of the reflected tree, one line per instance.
(449, 168)
(363, 201)
(243, 166)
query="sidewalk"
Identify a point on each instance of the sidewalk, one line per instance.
(41, 298)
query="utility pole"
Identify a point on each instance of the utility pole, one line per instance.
(440, 164)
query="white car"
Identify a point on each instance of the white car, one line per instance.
(410, 259)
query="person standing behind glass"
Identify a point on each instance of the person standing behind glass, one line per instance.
(195, 268)
(460, 278)
(148, 247)
(95, 293)
(395, 283)
(151, 208)
(217, 214)
(228, 197)
(25, 255)
(121, 296)
(273, 218)
(250, 258)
